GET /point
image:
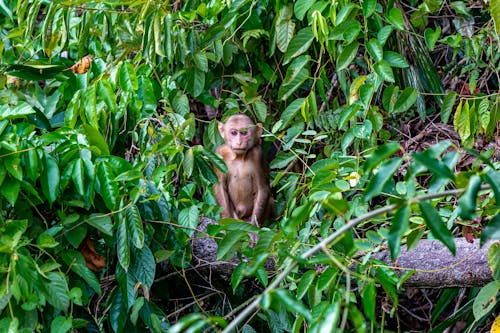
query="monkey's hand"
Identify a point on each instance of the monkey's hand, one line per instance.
(254, 220)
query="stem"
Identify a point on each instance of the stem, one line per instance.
(349, 225)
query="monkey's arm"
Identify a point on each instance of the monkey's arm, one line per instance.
(221, 190)
(263, 191)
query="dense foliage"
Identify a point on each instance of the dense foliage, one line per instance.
(106, 166)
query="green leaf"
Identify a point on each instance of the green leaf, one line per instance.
(299, 44)
(383, 175)
(431, 37)
(134, 226)
(369, 300)
(375, 49)
(395, 59)
(384, 33)
(399, 226)
(395, 18)
(407, 98)
(96, 139)
(495, 14)
(305, 283)
(122, 244)
(291, 303)
(468, 200)
(46, 241)
(227, 245)
(10, 189)
(134, 315)
(195, 81)
(101, 222)
(284, 34)
(108, 188)
(57, 291)
(492, 177)
(347, 55)
(106, 92)
(347, 31)
(76, 262)
(49, 178)
(89, 106)
(73, 110)
(347, 114)
(127, 77)
(260, 110)
(368, 7)
(484, 113)
(384, 70)
(380, 154)
(492, 230)
(201, 61)
(447, 107)
(296, 74)
(437, 226)
(331, 318)
(20, 110)
(78, 176)
(486, 300)
(189, 218)
(158, 33)
(61, 325)
(143, 267)
(462, 121)
(301, 7)
(437, 167)
(180, 104)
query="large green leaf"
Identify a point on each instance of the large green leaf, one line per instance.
(10, 189)
(381, 177)
(57, 291)
(299, 44)
(291, 303)
(127, 77)
(20, 110)
(301, 7)
(468, 200)
(447, 107)
(296, 74)
(189, 218)
(347, 55)
(284, 33)
(395, 17)
(108, 188)
(399, 226)
(375, 50)
(122, 243)
(134, 226)
(436, 225)
(49, 178)
(380, 154)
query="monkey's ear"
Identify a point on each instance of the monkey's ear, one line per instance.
(220, 125)
(258, 130)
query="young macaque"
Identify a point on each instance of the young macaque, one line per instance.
(244, 191)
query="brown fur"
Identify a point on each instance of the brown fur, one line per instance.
(244, 191)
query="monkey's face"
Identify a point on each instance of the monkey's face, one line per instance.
(240, 139)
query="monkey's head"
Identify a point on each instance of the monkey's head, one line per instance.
(240, 133)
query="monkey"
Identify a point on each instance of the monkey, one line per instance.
(244, 192)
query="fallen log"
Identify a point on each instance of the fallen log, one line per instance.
(434, 264)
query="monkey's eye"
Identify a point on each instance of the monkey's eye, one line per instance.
(244, 132)
(234, 132)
